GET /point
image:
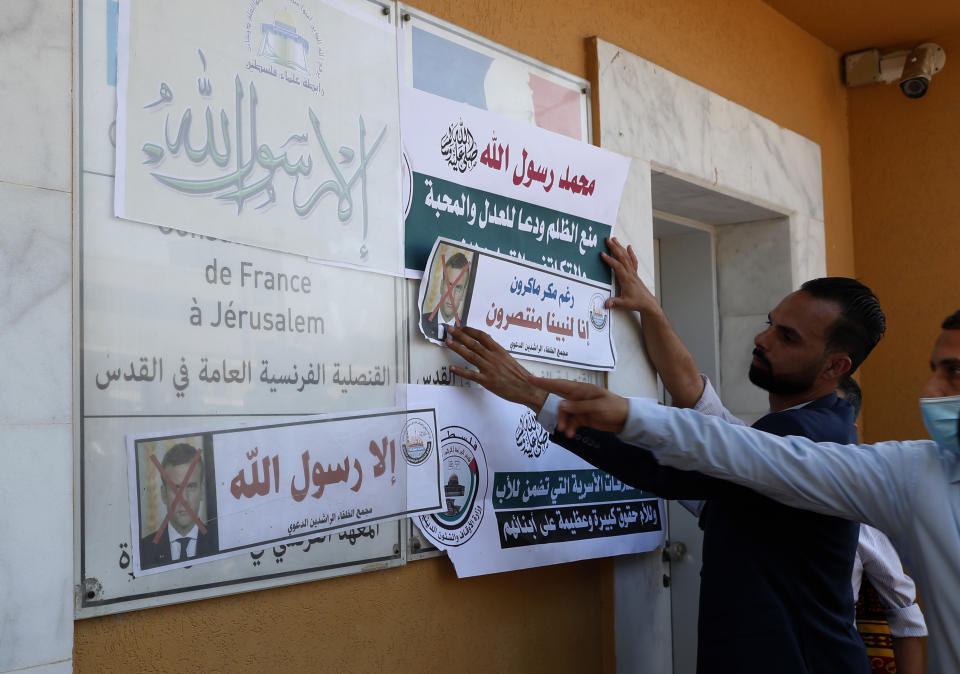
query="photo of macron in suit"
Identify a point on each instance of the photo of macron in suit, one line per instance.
(182, 537)
(454, 291)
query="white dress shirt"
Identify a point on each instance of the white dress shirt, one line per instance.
(910, 490)
(879, 561)
(875, 554)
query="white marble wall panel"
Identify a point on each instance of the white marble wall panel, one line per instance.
(642, 614)
(753, 267)
(736, 346)
(36, 433)
(807, 246)
(731, 146)
(35, 331)
(647, 112)
(35, 93)
(790, 174)
(634, 375)
(651, 113)
(692, 306)
(36, 564)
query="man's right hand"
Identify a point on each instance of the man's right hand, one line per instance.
(634, 294)
(585, 405)
(497, 371)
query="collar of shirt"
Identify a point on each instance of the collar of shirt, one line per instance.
(175, 546)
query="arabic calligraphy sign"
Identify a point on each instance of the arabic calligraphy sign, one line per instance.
(505, 186)
(229, 491)
(514, 500)
(275, 125)
(532, 312)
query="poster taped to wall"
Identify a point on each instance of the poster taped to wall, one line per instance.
(505, 186)
(534, 313)
(270, 122)
(514, 500)
(197, 497)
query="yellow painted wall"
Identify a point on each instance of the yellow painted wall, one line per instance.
(905, 156)
(557, 619)
(416, 619)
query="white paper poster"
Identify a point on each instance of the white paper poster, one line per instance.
(268, 122)
(532, 312)
(505, 186)
(196, 497)
(514, 500)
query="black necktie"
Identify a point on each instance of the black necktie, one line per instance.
(183, 547)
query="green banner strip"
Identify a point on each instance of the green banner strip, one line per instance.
(487, 220)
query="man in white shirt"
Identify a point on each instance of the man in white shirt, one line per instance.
(909, 490)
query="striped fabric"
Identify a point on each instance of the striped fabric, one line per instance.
(874, 630)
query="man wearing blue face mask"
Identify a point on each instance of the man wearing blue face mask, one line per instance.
(910, 490)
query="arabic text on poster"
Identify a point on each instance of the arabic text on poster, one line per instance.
(505, 186)
(514, 500)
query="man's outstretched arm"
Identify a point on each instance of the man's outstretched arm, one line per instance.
(502, 375)
(868, 483)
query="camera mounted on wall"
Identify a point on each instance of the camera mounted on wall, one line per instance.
(912, 68)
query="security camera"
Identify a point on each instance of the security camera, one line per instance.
(912, 69)
(922, 63)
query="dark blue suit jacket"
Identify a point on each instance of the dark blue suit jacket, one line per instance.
(157, 554)
(775, 593)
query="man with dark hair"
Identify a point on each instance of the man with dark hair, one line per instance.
(910, 490)
(182, 538)
(860, 325)
(780, 601)
(951, 322)
(453, 291)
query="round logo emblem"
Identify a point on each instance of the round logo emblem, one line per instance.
(416, 441)
(464, 489)
(598, 315)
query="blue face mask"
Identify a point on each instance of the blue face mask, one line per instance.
(941, 416)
